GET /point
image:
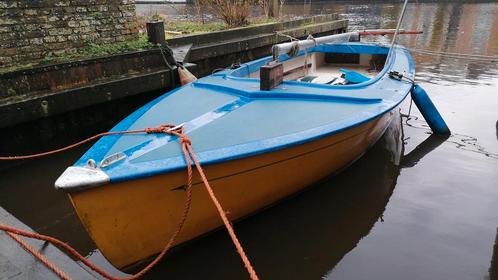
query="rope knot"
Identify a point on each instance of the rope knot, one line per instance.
(186, 140)
(310, 37)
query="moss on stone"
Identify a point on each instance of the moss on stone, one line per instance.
(86, 52)
(92, 50)
(95, 50)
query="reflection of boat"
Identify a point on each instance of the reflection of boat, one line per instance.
(429, 144)
(258, 146)
(306, 236)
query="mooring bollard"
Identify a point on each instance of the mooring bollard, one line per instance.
(429, 111)
(155, 32)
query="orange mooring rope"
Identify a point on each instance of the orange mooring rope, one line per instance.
(73, 145)
(39, 256)
(189, 155)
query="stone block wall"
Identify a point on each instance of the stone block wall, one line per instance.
(32, 30)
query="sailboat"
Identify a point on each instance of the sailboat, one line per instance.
(262, 132)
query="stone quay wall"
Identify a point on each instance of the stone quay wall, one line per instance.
(35, 30)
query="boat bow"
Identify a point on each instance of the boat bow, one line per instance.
(76, 177)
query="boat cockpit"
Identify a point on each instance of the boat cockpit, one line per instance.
(331, 68)
(332, 60)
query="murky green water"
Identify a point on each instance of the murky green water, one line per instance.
(414, 207)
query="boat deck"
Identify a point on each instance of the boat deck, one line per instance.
(226, 115)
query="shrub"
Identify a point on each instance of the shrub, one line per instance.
(233, 12)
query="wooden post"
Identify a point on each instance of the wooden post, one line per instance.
(155, 32)
(493, 269)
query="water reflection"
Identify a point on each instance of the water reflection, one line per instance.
(452, 27)
(427, 146)
(314, 230)
(461, 141)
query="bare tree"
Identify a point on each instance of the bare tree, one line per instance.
(282, 3)
(198, 4)
(265, 5)
(233, 12)
(271, 8)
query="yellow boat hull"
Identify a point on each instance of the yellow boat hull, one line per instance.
(131, 221)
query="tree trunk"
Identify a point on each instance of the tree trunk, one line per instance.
(274, 8)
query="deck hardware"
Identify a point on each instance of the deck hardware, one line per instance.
(271, 75)
(112, 159)
(176, 127)
(91, 164)
(235, 66)
(396, 75)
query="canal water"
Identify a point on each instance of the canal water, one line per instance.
(414, 207)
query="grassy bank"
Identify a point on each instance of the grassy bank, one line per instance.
(175, 28)
(172, 28)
